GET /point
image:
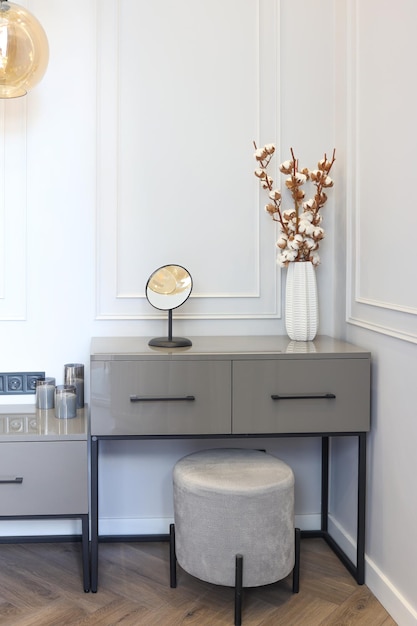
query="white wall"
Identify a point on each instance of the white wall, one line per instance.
(376, 124)
(73, 148)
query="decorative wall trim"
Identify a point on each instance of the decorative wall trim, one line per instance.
(241, 251)
(383, 330)
(387, 305)
(364, 307)
(13, 210)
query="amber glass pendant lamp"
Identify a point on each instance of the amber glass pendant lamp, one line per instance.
(24, 50)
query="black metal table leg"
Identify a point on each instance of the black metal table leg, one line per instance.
(360, 546)
(324, 483)
(358, 570)
(94, 514)
(85, 553)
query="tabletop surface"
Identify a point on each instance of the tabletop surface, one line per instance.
(114, 348)
(23, 422)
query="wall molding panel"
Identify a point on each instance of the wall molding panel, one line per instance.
(158, 201)
(13, 202)
(381, 293)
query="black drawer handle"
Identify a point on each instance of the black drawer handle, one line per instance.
(162, 398)
(10, 480)
(310, 396)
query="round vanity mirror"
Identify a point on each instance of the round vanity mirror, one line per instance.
(167, 288)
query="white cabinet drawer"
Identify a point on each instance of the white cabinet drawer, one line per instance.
(301, 396)
(43, 478)
(167, 397)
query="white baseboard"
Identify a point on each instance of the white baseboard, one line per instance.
(388, 595)
(308, 522)
(134, 526)
(112, 526)
(39, 527)
(160, 526)
(345, 541)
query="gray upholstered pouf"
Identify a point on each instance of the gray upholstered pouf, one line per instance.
(229, 502)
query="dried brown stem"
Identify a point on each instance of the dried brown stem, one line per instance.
(269, 184)
(294, 189)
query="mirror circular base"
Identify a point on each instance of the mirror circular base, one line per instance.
(165, 342)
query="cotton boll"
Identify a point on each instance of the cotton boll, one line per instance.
(295, 242)
(289, 255)
(282, 241)
(300, 178)
(288, 214)
(271, 209)
(304, 225)
(286, 167)
(281, 260)
(318, 233)
(310, 243)
(315, 258)
(275, 194)
(306, 216)
(310, 229)
(324, 165)
(260, 154)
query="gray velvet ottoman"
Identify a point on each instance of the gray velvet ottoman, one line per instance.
(234, 520)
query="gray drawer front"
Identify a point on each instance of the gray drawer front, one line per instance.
(55, 478)
(254, 382)
(161, 389)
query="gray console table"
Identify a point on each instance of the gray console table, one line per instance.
(233, 387)
(44, 468)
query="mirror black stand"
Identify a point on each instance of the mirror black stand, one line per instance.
(170, 341)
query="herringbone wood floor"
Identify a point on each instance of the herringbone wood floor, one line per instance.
(41, 585)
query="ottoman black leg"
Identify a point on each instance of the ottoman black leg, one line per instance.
(296, 570)
(238, 589)
(172, 557)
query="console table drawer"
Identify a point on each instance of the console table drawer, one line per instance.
(43, 478)
(166, 397)
(301, 396)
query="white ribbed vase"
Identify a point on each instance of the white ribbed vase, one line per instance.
(301, 305)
